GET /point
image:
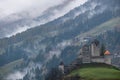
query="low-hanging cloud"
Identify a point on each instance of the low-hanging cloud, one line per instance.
(8, 7)
(17, 16)
(15, 76)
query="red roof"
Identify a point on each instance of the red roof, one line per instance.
(106, 52)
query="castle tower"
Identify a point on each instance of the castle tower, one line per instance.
(86, 56)
(95, 48)
(107, 57)
(61, 67)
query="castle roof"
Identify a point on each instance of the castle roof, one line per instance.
(96, 42)
(106, 52)
(61, 63)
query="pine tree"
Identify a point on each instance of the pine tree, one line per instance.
(102, 50)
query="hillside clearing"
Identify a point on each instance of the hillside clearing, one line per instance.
(98, 73)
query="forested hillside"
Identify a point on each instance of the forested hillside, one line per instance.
(43, 47)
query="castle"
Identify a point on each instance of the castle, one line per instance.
(90, 52)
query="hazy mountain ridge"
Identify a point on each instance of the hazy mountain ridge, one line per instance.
(56, 24)
(19, 22)
(56, 33)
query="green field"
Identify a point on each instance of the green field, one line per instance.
(97, 73)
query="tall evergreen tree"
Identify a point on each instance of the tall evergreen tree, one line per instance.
(54, 74)
(102, 50)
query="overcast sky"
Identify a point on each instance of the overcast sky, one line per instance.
(14, 6)
(8, 7)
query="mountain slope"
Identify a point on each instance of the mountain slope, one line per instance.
(107, 26)
(35, 40)
(48, 44)
(73, 26)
